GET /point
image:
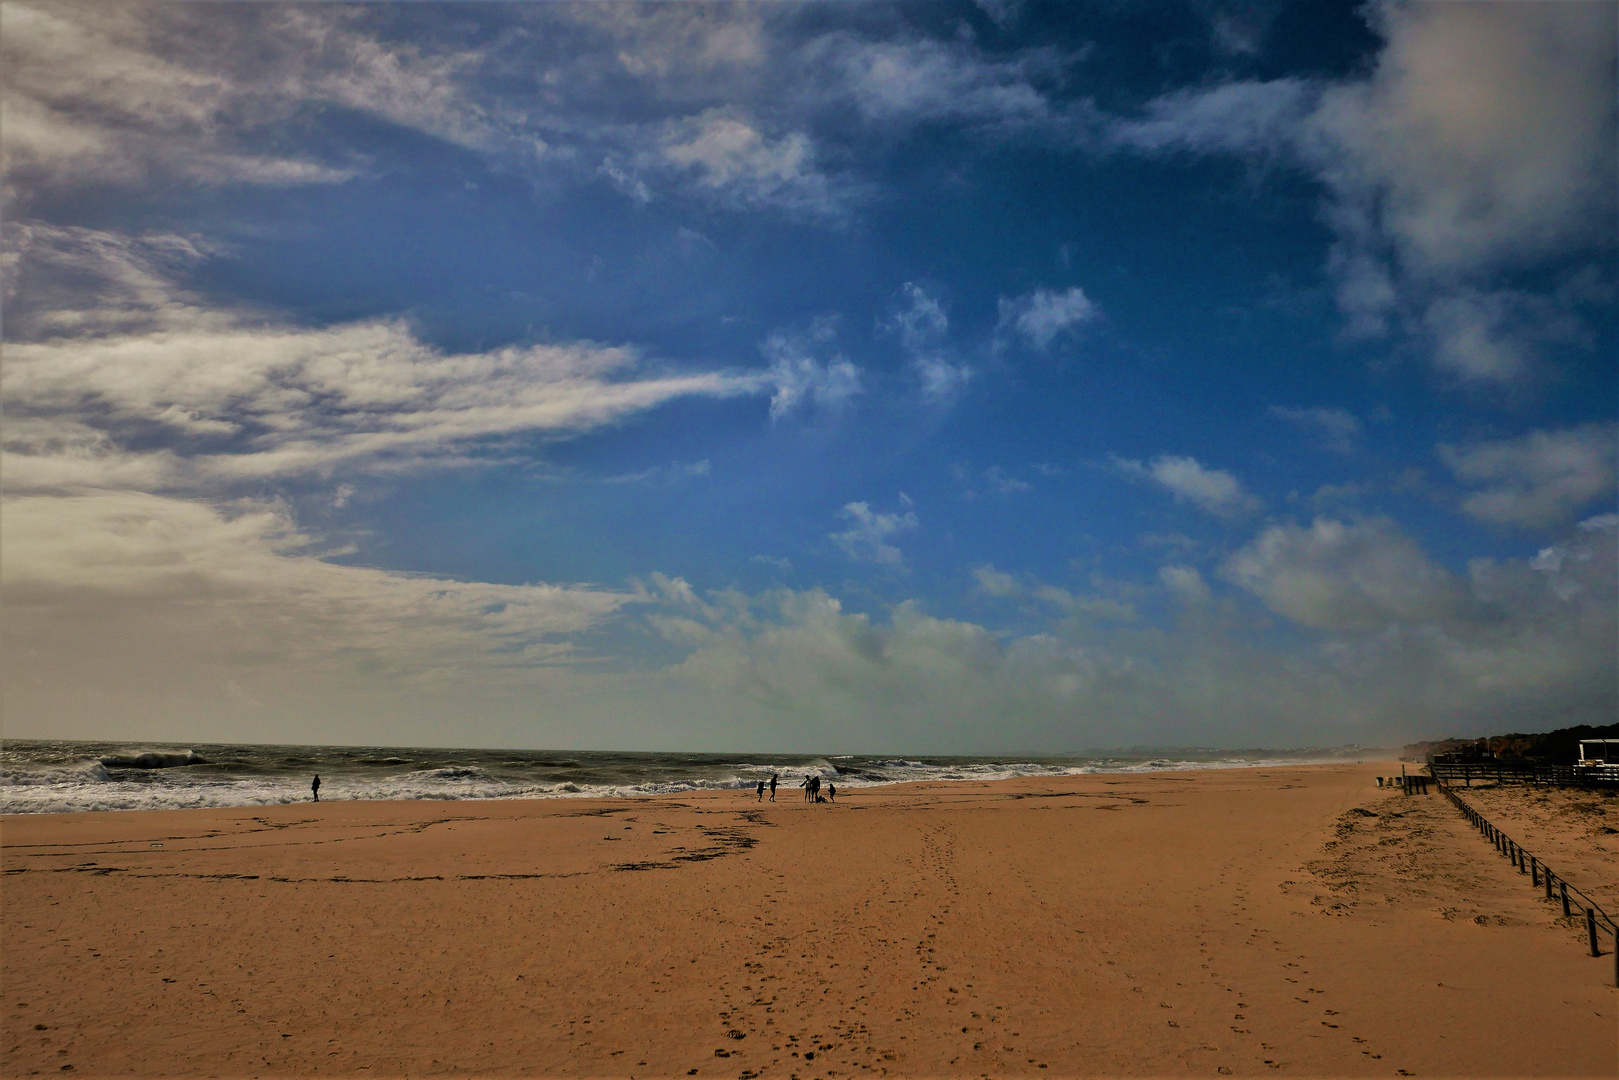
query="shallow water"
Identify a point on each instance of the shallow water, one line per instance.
(53, 777)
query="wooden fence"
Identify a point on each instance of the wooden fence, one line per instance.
(1542, 876)
(1502, 772)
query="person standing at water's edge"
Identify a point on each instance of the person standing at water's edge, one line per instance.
(315, 787)
(772, 787)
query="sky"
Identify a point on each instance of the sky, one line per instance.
(937, 377)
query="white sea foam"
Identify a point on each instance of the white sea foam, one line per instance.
(60, 778)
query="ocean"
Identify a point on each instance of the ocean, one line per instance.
(41, 777)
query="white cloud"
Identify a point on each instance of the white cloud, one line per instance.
(682, 42)
(1237, 117)
(1481, 143)
(1485, 133)
(993, 582)
(154, 390)
(1401, 647)
(136, 418)
(1338, 429)
(1003, 484)
(800, 378)
(1352, 577)
(932, 80)
(1496, 336)
(923, 327)
(247, 570)
(866, 539)
(118, 93)
(130, 94)
(1045, 314)
(731, 158)
(1184, 582)
(1537, 480)
(1213, 491)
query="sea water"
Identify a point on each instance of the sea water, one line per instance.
(39, 777)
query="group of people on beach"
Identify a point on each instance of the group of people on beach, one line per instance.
(811, 786)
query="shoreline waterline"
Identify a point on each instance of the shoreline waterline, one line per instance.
(42, 776)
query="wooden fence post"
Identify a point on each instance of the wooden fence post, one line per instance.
(1534, 871)
(1548, 876)
(1562, 888)
(1591, 930)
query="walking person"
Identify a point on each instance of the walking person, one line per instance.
(315, 787)
(772, 787)
(831, 792)
(761, 791)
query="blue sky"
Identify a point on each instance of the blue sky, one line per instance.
(933, 377)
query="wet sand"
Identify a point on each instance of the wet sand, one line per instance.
(1246, 922)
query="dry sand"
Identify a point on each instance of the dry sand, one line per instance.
(1574, 831)
(1239, 922)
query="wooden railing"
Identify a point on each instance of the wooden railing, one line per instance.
(1502, 772)
(1542, 876)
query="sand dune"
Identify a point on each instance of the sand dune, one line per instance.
(1244, 922)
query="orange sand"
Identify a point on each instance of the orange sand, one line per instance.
(1234, 922)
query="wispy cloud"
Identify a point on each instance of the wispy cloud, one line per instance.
(801, 377)
(156, 390)
(1044, 315)
(1337, 429)
(923, 327)
(1213, 491)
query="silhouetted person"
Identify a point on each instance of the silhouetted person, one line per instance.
(761, 791)
(315, 787)
(806, 786)
(772, 787)
(831, 792)
(815, 789)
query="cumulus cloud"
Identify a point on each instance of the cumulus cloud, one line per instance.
(1213, 491)
(866, 538)
(1355, 576)
(922, 325)
(1338, 429)
(1537, 480)
(1399, 646)
(1481, 143)
(1046, 314)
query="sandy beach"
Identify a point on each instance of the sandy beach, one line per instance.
(1225, 922)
